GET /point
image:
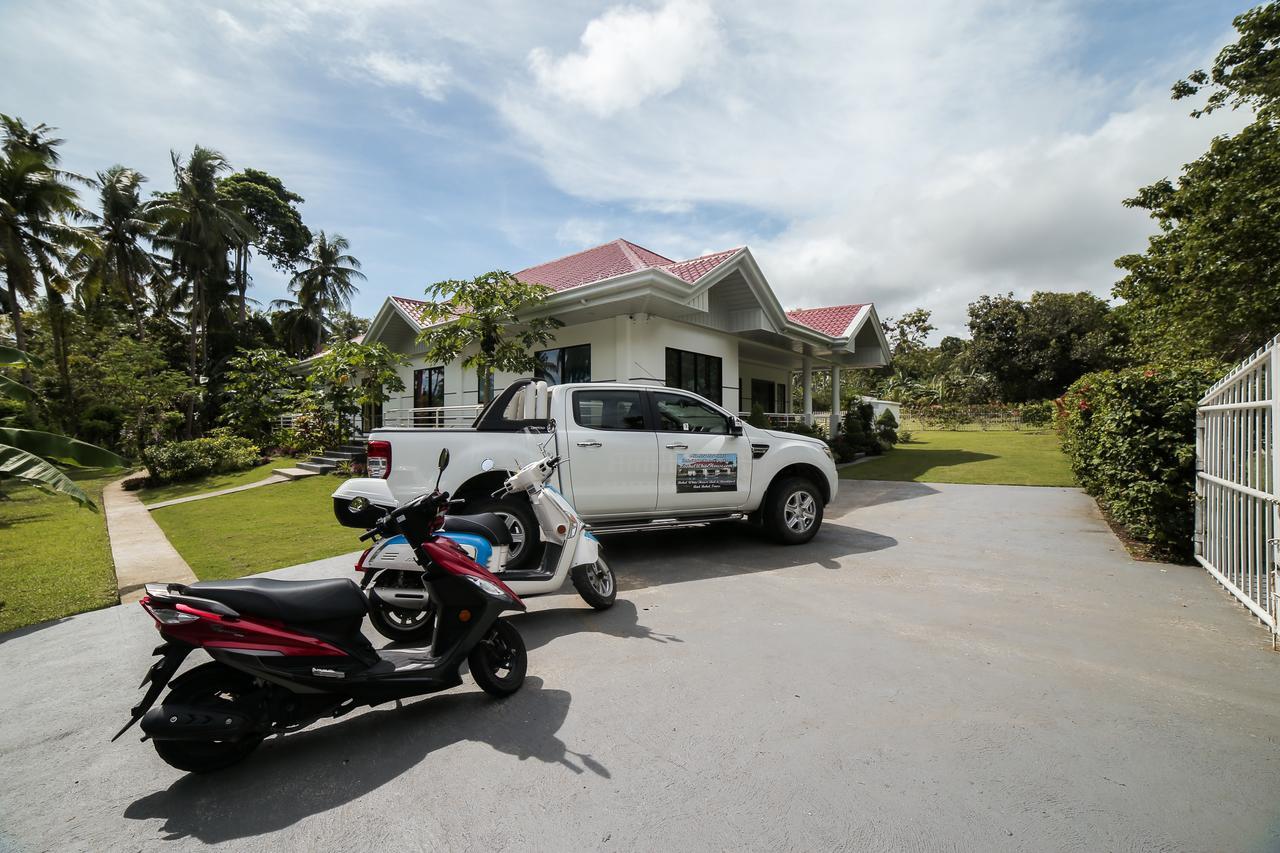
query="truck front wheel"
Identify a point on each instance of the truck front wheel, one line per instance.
(521, 523)
(793, 511)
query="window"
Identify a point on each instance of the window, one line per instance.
(694, 372)
(428, 393)
(565, 364)
(762, 395)
(608, 409)
(678, 413)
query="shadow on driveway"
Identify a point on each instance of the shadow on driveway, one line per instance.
(539, 627)
(299, 775)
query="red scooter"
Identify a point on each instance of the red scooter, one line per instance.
(288, 653)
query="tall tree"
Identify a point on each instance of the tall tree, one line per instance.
(489, 313)
(38, 208)
(273, 211)
(1035, 349)
(203, 227)
(122, 261)
(325, 283)
(1208, 283)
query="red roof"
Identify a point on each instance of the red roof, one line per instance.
(832, 321)
(412, 307)
(614, 259)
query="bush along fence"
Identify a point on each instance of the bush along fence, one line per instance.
(1130, 436)
(994, 416)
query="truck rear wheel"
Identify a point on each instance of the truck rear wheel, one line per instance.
(526, 544)
(793, 511)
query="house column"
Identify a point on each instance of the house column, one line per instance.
(835, 402)
(807, 381)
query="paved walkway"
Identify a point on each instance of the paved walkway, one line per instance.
(280, 475)
(944, 667)
(139, 547)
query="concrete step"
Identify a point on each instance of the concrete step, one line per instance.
(295, 473)
(317, 467)
(360, 449)
(342, 454)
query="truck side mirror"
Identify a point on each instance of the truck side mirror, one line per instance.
(735, 426)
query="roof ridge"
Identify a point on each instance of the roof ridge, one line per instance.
(629, 247)
(630, 253)
(707, 255)
(570, 255)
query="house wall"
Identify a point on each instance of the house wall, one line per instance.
(626, 348)
(772, 373)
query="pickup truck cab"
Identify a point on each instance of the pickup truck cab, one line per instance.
(639, 458)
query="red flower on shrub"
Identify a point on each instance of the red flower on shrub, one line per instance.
(1084, 405)
(1148, 373)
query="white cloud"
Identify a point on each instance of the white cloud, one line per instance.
(429, 78)
(916, 155)
(581, 233)
(629, 55)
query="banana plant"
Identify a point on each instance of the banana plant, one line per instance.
(33, 456)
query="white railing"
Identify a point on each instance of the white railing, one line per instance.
(1237, 474)
(785, 419)
(439, 417)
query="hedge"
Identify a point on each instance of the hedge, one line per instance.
(221, 452)
(1130, 436)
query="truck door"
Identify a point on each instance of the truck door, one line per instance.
(613, 455)
(702, 465)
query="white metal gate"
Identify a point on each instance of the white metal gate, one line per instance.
(1237, 433)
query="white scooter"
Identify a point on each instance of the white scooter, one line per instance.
(399, 606)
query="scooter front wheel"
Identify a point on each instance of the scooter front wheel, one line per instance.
(499, 661)
(595, 583)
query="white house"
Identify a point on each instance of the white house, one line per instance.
(711, 325)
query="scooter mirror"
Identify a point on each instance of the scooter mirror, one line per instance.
(444, 459)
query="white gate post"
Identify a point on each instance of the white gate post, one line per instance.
(1273, 487)
(807, 379)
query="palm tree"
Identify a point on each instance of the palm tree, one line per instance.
(122, 260)
(36, 201)
(202, 227)
(326, 282)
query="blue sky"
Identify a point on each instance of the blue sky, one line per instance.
(910, 154)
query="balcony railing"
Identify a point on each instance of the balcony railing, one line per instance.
(783, 420)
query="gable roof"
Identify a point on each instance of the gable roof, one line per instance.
(611, 260)
(833, 321)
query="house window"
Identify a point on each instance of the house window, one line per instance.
(564, 364)
(428, 393)
(694, 372)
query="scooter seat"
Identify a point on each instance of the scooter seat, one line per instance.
(289, 601)
(487, 524)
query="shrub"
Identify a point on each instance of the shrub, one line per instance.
(757, 418)
(1038, 414)
(904, 436)
(1130, 436)
(184, 460)
(887, 428)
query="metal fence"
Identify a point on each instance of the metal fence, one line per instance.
(1237, 434)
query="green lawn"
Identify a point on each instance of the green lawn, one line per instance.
(1029, 458)
(259, 529)
(54, 556)
(212, 483)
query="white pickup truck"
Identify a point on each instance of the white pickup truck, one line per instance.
(639, 458)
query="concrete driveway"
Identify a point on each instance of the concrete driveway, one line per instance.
(943, 668)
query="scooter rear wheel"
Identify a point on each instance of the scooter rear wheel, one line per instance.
(397, 624)
(499, 661)
(216, 686)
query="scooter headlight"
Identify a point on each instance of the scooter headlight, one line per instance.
(489, 587)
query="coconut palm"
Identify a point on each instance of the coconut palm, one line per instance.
(326, 282)
(201, 227)
(38, 205)
(122, 260)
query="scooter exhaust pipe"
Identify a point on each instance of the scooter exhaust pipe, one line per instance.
(194, 722)
(402, 598)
